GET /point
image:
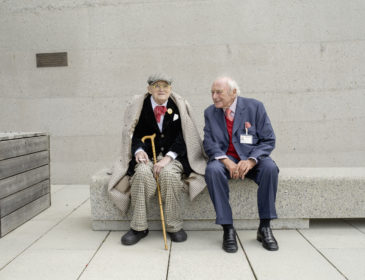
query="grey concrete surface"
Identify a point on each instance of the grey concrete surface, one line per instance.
(204, 247)
(360, 225)
(343, 247)
(60, 244)
(304, 59)
(303, 193)
(67, 242)
(303, 263)
(146, 260)
(63, 202)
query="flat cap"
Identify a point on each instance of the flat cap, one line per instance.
(159, 77)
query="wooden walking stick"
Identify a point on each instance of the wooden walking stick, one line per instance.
(152, 138)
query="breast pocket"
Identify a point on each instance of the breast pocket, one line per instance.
(252, 131)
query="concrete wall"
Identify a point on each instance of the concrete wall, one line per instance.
(304, 59)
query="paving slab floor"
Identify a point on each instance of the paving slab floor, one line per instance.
(60, 244)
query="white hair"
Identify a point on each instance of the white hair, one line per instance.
(233, 85)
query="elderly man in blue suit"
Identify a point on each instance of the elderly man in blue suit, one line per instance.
(238, 139)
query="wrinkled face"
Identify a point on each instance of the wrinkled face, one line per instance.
(222, 96)
(160, 91)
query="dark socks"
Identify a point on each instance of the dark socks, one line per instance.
(227, 226)
(264, 223)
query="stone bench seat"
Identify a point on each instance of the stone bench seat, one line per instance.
(303, 194)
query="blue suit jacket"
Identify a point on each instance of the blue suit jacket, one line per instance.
(216, 139)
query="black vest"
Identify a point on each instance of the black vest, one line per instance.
(170, 139)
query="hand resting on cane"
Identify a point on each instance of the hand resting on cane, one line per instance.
(142, 157)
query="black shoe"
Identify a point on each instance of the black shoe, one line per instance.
(179, 236)
(133, 236)
(267, 238)
(229, 240)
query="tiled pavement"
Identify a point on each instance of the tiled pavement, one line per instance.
(59, 244)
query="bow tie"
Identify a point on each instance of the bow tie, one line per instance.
(159, 111)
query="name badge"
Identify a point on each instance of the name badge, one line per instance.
(246, 139)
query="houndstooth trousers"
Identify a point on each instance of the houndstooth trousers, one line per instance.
(143, 188)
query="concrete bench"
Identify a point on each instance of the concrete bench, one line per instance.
(303, 194)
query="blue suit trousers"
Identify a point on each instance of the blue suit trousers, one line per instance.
(264, 174)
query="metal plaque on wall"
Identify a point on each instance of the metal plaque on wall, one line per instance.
(51, 59)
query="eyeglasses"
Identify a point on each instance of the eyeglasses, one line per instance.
(161, 86)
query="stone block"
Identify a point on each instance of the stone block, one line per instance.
(303, 193)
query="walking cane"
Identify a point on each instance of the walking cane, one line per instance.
(152, 138)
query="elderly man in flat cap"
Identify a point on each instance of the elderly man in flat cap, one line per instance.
(180, 159)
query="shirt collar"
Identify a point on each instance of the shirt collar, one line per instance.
(154, 104)
(233, 106)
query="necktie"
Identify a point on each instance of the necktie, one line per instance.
(159, 111)
(228, 114)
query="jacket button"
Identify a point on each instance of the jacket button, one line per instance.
(162, 135)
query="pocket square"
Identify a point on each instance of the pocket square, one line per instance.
(176, 116)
